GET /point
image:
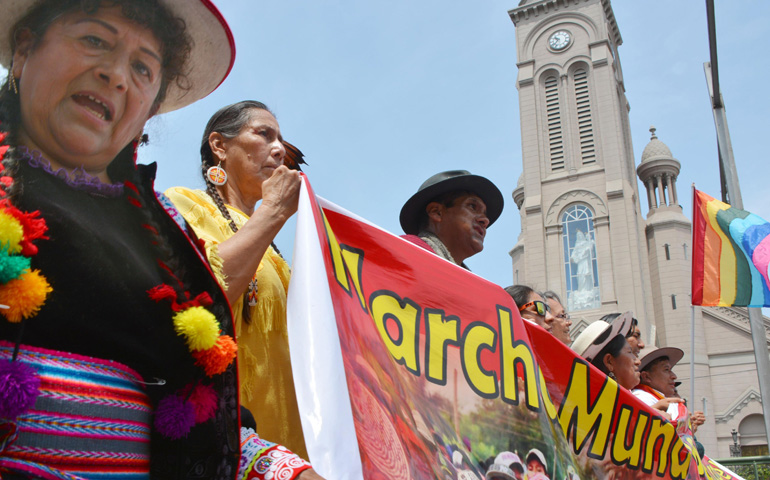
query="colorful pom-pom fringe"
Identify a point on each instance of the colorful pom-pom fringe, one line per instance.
(12, 266)
(174, 417)
(21, 387)
(216, 359)
(24, 296)
(204, 399)
(199, 327)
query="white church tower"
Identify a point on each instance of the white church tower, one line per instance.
(583, 235)
(582, 230)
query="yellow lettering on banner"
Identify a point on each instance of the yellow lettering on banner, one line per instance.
(662, 434)
(622, 453)
(477, 337)
(355, 258)
(513, 353)
(547, 403)
(582, 419)
(346, 261)
(386, 305)
(680, 466)
(714, 472)
(440, 332)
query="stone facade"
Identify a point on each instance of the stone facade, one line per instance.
(578, 157)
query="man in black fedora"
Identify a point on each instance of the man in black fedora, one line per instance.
(450, 213)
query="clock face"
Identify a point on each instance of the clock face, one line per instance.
(560, 40)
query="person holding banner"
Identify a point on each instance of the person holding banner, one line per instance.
(657, 382)
(604, 345)
(450, 213)
(243, 161)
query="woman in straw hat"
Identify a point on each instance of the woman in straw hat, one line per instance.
(604, 345)
(117, 354)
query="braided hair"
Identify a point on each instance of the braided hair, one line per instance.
(228, 121)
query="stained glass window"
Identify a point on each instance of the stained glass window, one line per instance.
(579, 243)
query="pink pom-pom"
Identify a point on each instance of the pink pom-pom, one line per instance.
(21, 387)
(174, 417)
(204, 398)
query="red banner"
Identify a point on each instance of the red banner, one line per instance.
(441, 374)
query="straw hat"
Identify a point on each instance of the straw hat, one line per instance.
(650, 354)
(598, 334)
(211, 58)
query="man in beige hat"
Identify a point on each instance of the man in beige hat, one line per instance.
(657, 381)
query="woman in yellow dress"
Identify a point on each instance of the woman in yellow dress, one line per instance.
(242, 155)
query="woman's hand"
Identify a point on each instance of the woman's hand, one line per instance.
(280, 192)
(309, 474)
(242, 252)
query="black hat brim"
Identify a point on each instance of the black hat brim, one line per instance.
(413, 209)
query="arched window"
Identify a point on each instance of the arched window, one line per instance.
(584, 121)
(579, 243)
(753, 438)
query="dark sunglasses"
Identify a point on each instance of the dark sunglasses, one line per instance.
(540, 307)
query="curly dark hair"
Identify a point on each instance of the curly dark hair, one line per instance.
(176, 46)
(170, 31)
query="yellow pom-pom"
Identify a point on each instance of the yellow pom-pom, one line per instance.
(199, 327)
(11, 233)
(24, 295)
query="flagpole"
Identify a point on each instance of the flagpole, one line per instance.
(727, 164)
(692, 355)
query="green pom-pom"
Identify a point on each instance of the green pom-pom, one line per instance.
(12, 266)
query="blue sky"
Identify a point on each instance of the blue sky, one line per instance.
(381, 95)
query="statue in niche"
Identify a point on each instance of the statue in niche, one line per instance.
(586, 294)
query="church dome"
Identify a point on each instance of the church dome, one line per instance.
(655, 149)
(657, 160)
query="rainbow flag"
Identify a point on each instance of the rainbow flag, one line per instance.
(731, 255)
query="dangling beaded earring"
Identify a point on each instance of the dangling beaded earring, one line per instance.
(217, 175)
(12, 83)
(612, 376)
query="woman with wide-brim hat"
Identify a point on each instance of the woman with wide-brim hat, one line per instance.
(604, 345)
(117, 353)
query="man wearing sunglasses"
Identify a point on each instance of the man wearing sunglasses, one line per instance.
(450, 213)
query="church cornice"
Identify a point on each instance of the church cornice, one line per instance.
(749, 395)
(545, 7)
(736, 317)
